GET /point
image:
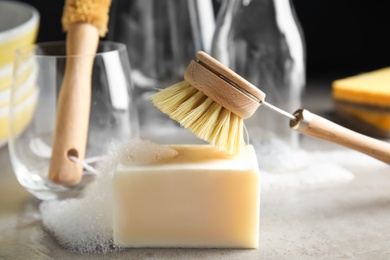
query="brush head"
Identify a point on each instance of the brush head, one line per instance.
(212, 102)
(200, 114)
(94, 12)
(223, 85)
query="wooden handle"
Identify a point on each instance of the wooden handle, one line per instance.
(316, 126)
(74, 104)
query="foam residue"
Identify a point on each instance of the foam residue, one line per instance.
(148, 153)
(285, 167)
(275, 155)
(85, 224)
(310, 176)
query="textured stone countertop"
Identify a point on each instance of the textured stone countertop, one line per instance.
(348, 220)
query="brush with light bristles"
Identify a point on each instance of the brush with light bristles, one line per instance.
(84, 21)
(212, 102)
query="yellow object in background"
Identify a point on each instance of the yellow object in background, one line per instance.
(5, 77)
(372, 88)
(19, 24)
(380, 120)
(7, 49)
(201, 198)
(366, 98)
(22, 116)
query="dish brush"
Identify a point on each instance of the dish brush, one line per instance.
(84, 21)
(212, 102)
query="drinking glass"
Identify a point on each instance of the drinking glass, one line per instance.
(37, 77)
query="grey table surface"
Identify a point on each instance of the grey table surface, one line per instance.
(347, 221)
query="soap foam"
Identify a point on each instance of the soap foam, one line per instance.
(321, 174)
(283, 166)
(275, 155)
(144, 153)
(85, 224)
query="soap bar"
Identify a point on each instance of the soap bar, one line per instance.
(201, 198)
(366, 99)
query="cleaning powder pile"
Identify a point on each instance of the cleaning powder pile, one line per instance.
(85, 224)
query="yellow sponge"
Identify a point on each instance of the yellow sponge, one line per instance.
(372, 88)
(365, 97)
(94, 12)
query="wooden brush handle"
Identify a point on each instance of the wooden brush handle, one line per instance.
(74, 104)
(316, 126)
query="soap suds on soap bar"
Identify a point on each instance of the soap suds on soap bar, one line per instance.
(145, 153)
(85, 224)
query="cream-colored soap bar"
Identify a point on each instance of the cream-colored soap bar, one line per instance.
(201, 198)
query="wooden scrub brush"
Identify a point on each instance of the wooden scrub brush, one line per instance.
(84, 21)
(213, 101)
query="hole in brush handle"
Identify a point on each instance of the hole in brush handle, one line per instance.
(73, 153)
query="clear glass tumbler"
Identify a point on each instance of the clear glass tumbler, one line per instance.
(37, 77)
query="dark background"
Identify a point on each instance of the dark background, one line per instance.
(342, 37)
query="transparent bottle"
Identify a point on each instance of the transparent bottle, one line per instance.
(262, 41)
(161, 37)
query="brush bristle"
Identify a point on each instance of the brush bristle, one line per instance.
(203, 116)
(94, 12)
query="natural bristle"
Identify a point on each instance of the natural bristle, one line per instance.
(95, 12)
(200, 114)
